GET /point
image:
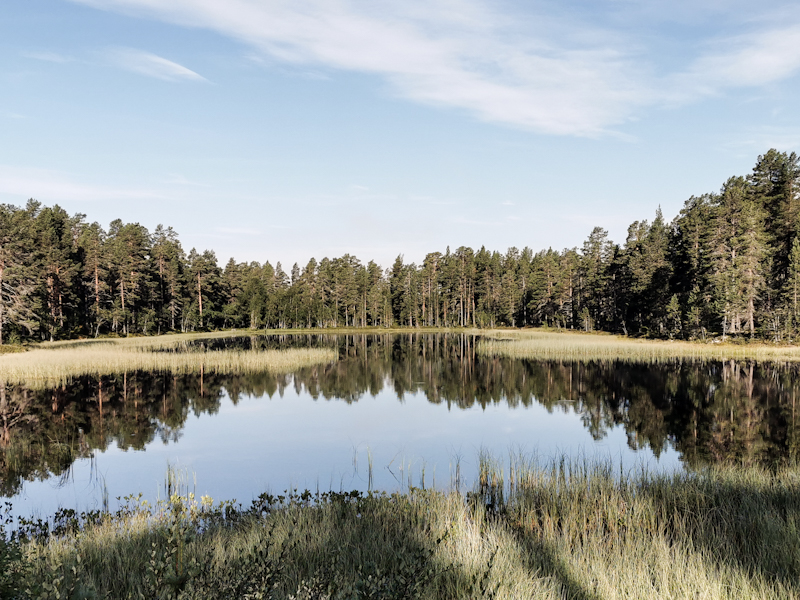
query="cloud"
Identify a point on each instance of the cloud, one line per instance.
(447, 53)
(52, 186)
(181, 180)
(48, 57)
(753, 140)
(151, 65)
(544, 67)
(748, 60)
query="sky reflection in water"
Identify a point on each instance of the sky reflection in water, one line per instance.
(411, 403)
(293, 441)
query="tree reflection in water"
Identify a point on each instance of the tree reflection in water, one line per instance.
(708, 411)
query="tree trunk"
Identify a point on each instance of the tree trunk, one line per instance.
(96, 296)
(2, 304)
(200, 299)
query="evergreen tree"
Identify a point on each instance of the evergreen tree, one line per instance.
(129, 245)
(793, 286)
(205, 277)
(170, 264)
(592, 279)
(691, 262)
(92, 244)
(729, 264)
(738, 247)
(404, 293)
(431, 289)
(56, 258)
(645, 271)
(18, 303)
(774, 186)
(377, 296)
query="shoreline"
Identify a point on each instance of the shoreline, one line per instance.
(565, 528)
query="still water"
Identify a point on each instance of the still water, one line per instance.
(393, 411)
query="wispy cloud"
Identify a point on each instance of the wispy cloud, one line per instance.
(52, 57)
(52, 186)
(181, 180)
(748, 60)
(547, 69)
(151, 65)
(749, 141)
(449, 53)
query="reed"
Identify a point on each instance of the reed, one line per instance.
(726, 532)
(48, 365)
(572, 346)
(562, 528)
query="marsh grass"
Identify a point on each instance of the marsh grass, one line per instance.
(563, 529)
(602, 533)
(11, 348)
(48, 365)
(572, 346)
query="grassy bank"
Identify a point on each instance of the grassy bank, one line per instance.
(562, 530)
(573, 346)
(47, 365)
(54, 363)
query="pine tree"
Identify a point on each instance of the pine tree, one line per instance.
(738, 248)
(209, 274)
(129, 245)
(170, 265)
(18, 303)
(793, 286)
(592, 277)
(774, 186)
(430, 288)
(92, 243)
(673, 313)
(691, 256)
(645, 271)
(377, 296)
(56, 259)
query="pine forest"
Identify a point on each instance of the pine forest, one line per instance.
(727, 266)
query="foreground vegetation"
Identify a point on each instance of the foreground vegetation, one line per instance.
(567, 529)
(54, 364)
(543, 344)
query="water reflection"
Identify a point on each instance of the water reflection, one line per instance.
(709, 411)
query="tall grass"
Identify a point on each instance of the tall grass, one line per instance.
(572, 346)
(562, 529)
(48, 365)
(723, 533)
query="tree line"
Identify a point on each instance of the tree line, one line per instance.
(727, 265)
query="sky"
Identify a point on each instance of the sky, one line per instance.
(282, 130)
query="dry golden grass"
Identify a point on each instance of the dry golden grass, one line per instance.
(56, 363)
(566, 529)
(168, 340)
(573, 346)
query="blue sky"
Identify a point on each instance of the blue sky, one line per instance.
(281, 130)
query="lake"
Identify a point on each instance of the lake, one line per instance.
(394, 410)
